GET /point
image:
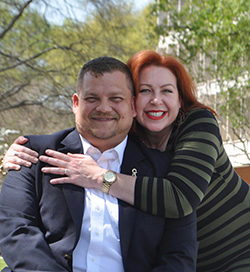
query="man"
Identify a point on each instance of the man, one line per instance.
(44, 225)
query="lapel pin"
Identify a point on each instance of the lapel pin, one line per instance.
(134, 172)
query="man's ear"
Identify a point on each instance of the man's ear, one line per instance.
(133, 106)
(75, 103)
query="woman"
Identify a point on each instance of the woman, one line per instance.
(200, 176)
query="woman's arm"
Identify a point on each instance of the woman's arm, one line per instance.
(198, 145)
(82, 170)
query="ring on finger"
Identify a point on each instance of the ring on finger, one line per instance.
(65, 172)
(16, 153)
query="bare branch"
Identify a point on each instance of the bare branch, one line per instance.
(243, 142)
(26, 61)
(14, 90)
(12, 23)
(22, 104)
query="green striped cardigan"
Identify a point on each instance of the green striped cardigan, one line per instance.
(201, 177)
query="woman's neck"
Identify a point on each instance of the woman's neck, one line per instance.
(156, 140)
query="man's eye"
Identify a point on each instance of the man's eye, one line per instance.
(91, 99)
(116, 99)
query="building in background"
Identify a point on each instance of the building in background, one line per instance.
(236, 142)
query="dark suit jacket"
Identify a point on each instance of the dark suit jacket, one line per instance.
(40, 223)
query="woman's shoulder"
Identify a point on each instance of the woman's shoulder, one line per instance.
(198, 116)
(198, 120)
(199, 113)
(198, 124)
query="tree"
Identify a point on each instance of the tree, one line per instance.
(26, 78)
(212, 40)
(40, 59)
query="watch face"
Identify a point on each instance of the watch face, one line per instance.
(110, 176)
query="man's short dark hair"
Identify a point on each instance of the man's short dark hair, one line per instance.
(101, 65)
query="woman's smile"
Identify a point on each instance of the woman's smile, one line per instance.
(156, 114)
(157, 100)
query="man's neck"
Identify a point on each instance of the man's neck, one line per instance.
(119, 149)
(104, 144)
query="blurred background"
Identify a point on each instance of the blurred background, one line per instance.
(43, 45)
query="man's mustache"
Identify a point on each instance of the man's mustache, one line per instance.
(103, 116)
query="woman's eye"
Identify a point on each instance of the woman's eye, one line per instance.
(144, 91)
(167, 91)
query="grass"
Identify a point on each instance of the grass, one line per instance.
(2, 263)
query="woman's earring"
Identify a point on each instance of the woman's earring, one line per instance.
(179, 117)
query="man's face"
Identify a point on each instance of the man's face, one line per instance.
(104, 109)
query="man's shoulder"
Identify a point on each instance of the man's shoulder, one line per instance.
(42, 141)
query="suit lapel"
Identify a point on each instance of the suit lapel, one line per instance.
(74, 195)
(132, 159)
(147, 162)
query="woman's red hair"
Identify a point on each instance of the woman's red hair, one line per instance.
(185, 84)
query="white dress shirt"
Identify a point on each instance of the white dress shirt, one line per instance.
(98, 249)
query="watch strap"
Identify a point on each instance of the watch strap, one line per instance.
(106, 187)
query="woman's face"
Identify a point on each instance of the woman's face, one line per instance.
(157, 101)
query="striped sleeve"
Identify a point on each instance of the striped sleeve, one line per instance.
(197, 147)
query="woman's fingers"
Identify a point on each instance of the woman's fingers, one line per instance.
(11, 166)
(17, 146)
(76, 169)
(25, 154)
(20, 140)
(63, 172)
(55, 171)
(77, 156)
(57, 155)
(60, 181)
(55, 158)
(53, 161)
(16, 157)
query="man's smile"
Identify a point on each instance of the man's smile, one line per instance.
(103, 118)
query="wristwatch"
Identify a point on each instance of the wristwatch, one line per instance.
(109, 178)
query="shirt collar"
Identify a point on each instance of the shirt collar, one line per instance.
(120, 148)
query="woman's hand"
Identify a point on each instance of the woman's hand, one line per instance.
(18, 155)
(77, 169)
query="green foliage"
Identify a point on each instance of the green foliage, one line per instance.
(213, 37)
(40, 60)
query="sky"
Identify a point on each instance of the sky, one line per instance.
(59, 5)
(142, 3)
